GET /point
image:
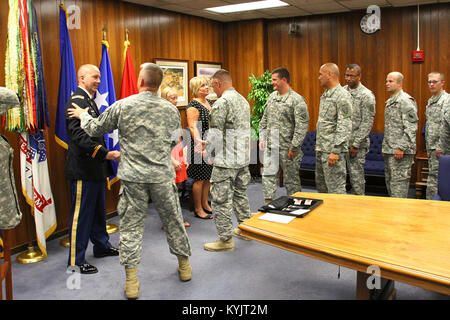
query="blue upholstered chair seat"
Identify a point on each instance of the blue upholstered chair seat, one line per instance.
(309, 155)
(374, 160)
(443, 179)
(308, 163)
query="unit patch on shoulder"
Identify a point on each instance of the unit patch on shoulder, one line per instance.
(412, 116)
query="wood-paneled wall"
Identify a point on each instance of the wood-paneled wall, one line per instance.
(245, 48)
(246, 52)
(153, 33)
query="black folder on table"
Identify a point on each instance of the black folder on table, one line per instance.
(291, 206)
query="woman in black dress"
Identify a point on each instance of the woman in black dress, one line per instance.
(197, 113)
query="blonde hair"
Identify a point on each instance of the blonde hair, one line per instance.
(196, 82)
(168, 91)
(436, 73)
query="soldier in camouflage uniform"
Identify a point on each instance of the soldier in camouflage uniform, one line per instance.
(363, 113)
(334, 127)
(444, 140)
(149, 127)
(228, 141)
(282, 130)
(10, 214)
(434, 112)
(399, 143)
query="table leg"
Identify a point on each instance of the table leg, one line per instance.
(385, 292)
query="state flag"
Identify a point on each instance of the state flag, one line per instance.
(104, 97)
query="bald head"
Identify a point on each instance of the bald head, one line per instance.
(86, 69)
(394, 82)
(89, 78)
(329, 75)
(332, 69)
(397, 76)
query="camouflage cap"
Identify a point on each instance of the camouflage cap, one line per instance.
(8, 100)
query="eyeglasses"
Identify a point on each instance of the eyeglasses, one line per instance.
(351, 75)
(433, 81)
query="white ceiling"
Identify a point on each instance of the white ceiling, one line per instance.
(296, 8)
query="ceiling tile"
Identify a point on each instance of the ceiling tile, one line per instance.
(212, 16)
(317, 8)
(248, 15)
(285, 11)
(399, 3)
(202, 4)
(362, 4)
(241, 1)
(174, 7)
(303, 3)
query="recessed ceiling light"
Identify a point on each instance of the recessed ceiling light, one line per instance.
(248, 6)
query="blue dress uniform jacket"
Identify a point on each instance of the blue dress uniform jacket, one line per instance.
(87, 170)
(86, 154)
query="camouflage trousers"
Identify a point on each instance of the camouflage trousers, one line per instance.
(397, 174)
(132, 209)
(271, 173)
(330, 179)
(355, 167)
(433, 166)
(228, 192)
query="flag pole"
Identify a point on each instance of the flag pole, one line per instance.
(31, 255)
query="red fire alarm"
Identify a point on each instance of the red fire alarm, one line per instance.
(418, 56)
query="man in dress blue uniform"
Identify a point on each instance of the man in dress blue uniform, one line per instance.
(87, 167)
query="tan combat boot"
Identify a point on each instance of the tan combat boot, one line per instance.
(184, 268)
(132, 283)
(220, 245)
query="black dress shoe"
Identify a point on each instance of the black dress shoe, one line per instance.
(110, 252)
(87, 269)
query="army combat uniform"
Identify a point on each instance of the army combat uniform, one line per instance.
(400, 127)
(363, 113)
(283, 127)
(149, 127)
(10, 214)
(228, 141)
(444, 140)
(334, 127)
(434, 114)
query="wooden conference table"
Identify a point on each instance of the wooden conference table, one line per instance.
(408, 239)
